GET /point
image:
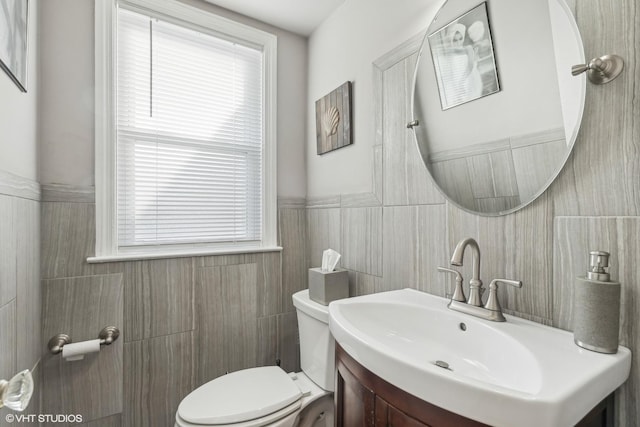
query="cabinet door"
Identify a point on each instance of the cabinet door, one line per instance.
(354, 402)
(400, 419)
(390, 416)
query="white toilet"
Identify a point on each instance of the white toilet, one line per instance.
(268, 396)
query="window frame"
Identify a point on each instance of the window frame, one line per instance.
(105, 144)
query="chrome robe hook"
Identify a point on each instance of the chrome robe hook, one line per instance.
(601, 70)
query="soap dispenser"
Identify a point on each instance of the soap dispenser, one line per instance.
(596, 318)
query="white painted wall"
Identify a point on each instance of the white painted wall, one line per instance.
(343, 48)
(19, 111)
(66, 100)
(292, 112)
(67, 143)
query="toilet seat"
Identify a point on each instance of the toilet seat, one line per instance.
(247, 398)
(289, 411)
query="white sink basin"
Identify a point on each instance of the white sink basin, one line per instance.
(499, 373)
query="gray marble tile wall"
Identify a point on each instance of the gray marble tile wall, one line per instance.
(158, 373)
(80, 307)
(594, 203)
(362, 239)
(184, 321)
(498, 175)
(20, 292)
(620, 236)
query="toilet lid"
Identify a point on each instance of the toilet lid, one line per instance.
(240, 396)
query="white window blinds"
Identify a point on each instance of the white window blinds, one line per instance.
(189, 129)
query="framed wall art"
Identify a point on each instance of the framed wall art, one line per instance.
(13, 40)
(463, 58)
(333, 119)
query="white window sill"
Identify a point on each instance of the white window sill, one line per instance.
(138, 256)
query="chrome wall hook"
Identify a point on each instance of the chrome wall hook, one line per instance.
(601, 70)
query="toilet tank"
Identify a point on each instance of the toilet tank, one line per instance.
(317, 346)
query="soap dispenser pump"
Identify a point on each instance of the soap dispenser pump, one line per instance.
(597, 307)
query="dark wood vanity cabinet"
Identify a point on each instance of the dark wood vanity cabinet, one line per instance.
(363, 399)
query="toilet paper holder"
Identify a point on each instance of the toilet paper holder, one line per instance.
(107, 336)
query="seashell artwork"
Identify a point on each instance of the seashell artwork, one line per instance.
(333, 119)
(330, 121)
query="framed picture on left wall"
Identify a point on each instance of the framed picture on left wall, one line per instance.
(333, 119)
(13, 40)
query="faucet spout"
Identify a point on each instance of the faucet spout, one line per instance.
(475, 282)
(458, 255)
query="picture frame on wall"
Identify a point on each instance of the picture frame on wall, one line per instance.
(464, 59)
(13, 40)
(333, 119)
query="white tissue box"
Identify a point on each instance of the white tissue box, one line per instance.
(325, 287)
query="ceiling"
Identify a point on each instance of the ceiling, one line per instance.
(297, 16)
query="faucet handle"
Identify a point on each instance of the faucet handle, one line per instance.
(492, 302)
(458, 293)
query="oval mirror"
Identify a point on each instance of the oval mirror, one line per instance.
(496, 106)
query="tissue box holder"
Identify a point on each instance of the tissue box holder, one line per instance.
(325, 287)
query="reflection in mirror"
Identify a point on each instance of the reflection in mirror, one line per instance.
(494, 154)
(463, 58)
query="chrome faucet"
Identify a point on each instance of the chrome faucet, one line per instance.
(492, 309)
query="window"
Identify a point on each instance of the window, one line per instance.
(185, 125)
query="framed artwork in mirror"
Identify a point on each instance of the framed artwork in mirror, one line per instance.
(333, 119)
(463, 58)
(13, 40)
